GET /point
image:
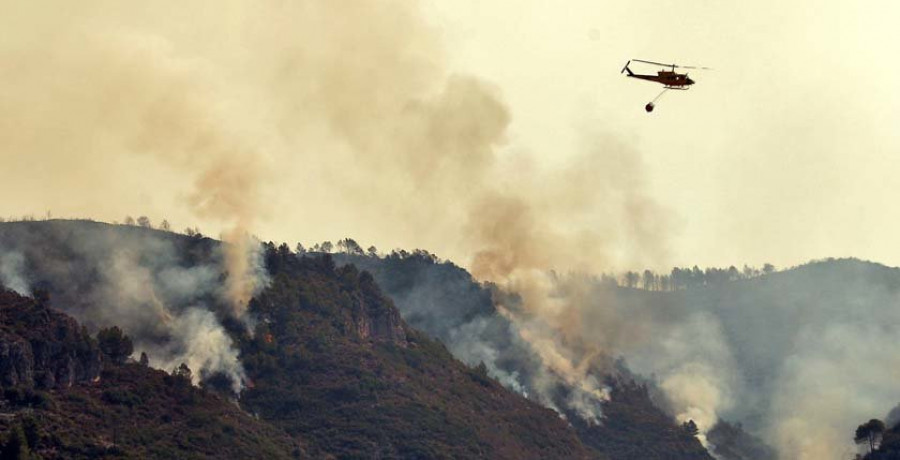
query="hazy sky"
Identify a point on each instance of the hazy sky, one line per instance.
(787, 151)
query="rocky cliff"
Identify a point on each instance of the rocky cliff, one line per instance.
(42, 348)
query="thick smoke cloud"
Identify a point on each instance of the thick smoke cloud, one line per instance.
(328, 109)
(340, 116)
(341, 108)
(170, 303)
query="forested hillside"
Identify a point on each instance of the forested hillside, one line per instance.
(326, 366)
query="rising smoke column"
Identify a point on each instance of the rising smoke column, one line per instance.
(348, 111)
(344, 108)
(12, 268)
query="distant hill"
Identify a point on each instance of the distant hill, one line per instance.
(799, 357)
(796, 353)
(444, 301)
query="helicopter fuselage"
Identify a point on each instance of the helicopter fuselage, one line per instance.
(668, 78)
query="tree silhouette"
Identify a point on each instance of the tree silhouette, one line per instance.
(649, 280)
(115, 344)
(350, 246)
(869, 432)
(183, 371)
(691, 427)
(631, 279)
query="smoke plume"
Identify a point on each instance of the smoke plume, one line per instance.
(326, 113)
(170, 303)
(12, 276)
(332, 117)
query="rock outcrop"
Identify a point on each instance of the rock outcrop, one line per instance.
(43, 348)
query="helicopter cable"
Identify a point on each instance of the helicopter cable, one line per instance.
(659, 95)
(650, 105)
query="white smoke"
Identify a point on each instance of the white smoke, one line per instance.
(167, 292)
(199, 341)
(12, 272)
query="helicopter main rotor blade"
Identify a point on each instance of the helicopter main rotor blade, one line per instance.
(672, 65)
(654, 63)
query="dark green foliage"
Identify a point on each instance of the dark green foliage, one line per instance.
(128, 411)
(137, 412)
(115, 344)
(870, 434)
(690, 428)
(634, 428)
(333, 372)
(733, 443)
(439, 297)
(183, 372)
(16, 445)
(332, 361)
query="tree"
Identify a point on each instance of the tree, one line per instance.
(678, 278)
(649, 280)
(145, 361)
(869, 432)
(300, 249)
(350, 246)
(284, 250)
(183, 371)
(326, 247)
(165, 225)
(691, 427)
(144, 221)
(631, 279)
(768, 268)
(115, 344)
(372, 251)
(733, 273)
(747, 271)
(697, 278)
(129, 220)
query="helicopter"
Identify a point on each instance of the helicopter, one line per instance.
(670, 79)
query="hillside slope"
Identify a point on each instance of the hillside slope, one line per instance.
(781, 355)
(328, 359)
(70, 402)
(332, 359)
(444, 301)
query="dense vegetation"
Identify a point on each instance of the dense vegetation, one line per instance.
(332, 369)
(124, 411)
(443, 299)
(331, 360)
(879, 440)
